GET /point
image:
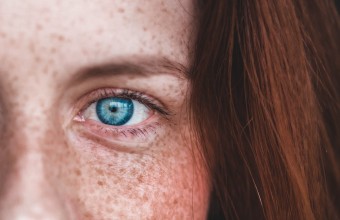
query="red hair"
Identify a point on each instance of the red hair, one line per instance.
(265, 107)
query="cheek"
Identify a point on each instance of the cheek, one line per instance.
(162, 181)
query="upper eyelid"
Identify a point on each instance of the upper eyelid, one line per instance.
(101, 93)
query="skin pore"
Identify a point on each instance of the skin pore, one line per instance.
(57, 162)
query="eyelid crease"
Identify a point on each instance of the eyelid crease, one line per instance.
(144, 66)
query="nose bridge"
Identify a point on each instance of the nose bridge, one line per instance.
(24, 172)
(26, 192)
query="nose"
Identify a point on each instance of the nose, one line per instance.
(25, 190)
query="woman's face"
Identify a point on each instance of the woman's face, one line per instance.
(93, 111)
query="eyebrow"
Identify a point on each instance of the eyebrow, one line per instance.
(136, 66)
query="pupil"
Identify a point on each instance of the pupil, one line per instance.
(113, 109)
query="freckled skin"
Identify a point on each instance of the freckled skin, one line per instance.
(47, 169)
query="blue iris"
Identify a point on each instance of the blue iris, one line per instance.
(114, 111)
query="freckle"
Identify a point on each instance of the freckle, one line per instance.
(85, 52)
(32, 47)
(99, 171)
(61, 38)
(2, 34)
(38, 27)
(140, 178)
(12, 42)
(78, 172)
(57, 37)
(139, 10)
(46, 70)
(54, 75)
(121, 10)
(99, 31)
(134, 171)
(109, 209)
(42, 104)
(37, 59)
(108, 199)
(88, 215)
(53, 50)
(143, 42)
(100, 183)
(145, 28)
(145, 198)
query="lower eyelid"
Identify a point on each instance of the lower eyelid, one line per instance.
(108, 134)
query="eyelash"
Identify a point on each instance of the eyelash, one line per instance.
(149, 102)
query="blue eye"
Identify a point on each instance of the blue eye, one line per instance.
(117, 111)
(114, 111)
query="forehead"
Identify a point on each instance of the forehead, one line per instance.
(93, 30)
